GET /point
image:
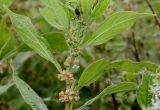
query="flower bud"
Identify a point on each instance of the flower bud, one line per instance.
(76, 61)
(76, 98)
(66, 76)
(68, 95)
(61, 94)
(68, 61)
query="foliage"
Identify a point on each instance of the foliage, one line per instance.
(80, 51)
(145, 95)
(121, 87)
(29, 95)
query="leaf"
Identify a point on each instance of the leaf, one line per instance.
(156, 4)
(5, 2)
(52, 39)
(92, 73)
(144, 94)
(133, 67)
(95, 70)
(116, 88)
(58, 11)
(29, 96)
(21, 57)
(4, 88)
(86, 6)
(28, 34)
(20, 48)
(113, 25)
(7, 41)
(71, 5)
(50, 17)
(99, 9)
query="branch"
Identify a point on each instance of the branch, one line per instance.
(135, 52)
(114, 102)
(154, 12)
(67, 107)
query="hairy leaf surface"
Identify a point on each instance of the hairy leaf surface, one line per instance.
(29, 95)
(50, 17)
(92, 72)
(99, 9)
(95, 70)
(144, 94)
(7, 41)
(58, 12)
(113, 25)
(56, 41)
(86, 7)
(133, 67)
(29, 36)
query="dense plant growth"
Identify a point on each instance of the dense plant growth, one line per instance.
(94, 54)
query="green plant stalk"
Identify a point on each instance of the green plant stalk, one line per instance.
(67, 106)
(71, 106)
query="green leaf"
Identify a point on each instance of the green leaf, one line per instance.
(50, 17)
(116, 88)
(156, 4)
(59, 12)
(28, 34)
(71, 5)
(20, 48)
(95, 70)
(53, 37)
(113, 25)
(4, 88)
(5, 2)
(133, 67)
(92, 73)
(21, 57)
(7, 41)
(99, 9)
(144, 94)
(28, 94)
(86, 6)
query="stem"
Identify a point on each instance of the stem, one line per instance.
(67, 106)
(71, 106)
(94, 91)
(95, 85)
(114, 102)
(132, 43)
(135, 52)
(154, 12)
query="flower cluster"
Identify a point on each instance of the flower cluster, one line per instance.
(73, 43)
(68, 61)
(68, 95)
(75, 52)
(66, 76)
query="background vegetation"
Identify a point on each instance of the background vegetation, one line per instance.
(124, 52)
